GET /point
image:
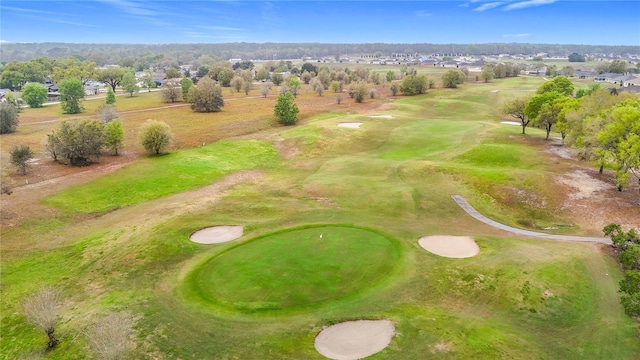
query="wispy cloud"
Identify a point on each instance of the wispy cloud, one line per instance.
(521, 35)
(45, 16)
(131, 7)
(487, 6)
(422, 13)
(526, 4)
(220, 28)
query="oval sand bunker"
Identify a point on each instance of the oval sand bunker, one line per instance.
(353, 340)
(351, 125)
(217, 234)
(450, 246)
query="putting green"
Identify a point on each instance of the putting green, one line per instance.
(297, 267)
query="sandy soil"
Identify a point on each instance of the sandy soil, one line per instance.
(450, 246)
(350, 125)
(217, 234)
(353, 340)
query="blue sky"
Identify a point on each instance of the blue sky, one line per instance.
(441, 22)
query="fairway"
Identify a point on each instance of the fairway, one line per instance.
(297, 267)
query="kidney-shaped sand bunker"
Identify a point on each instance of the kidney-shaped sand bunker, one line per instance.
(217, 234)
(450, 246)
(353, 340)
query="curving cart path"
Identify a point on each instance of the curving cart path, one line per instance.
(464, 204)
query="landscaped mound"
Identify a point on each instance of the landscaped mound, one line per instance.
(296, 268)
(350, 125)
(217, 234)
(450, 246)
(354, 339)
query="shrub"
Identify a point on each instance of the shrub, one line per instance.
(155, 136)
(8, 117)
(286, 111)
(34, 94)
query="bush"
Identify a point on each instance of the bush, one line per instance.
(77, 144)
(114, 136)
(111, 97)
(20, 156)
(8, 117)
(155, 136)
(286, 111)
(171, 91)
(452, 78)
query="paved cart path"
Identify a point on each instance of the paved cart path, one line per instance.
(464, 204)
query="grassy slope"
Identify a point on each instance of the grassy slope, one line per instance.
(517, 299)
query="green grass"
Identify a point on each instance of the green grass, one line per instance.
(268, 294)
(296, 268)
(163, 175)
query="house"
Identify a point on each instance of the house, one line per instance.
(584, 74)
(631, 81)
(606, 77)
(3, 94)
(634, 89)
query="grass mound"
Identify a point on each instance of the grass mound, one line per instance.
(296, 268)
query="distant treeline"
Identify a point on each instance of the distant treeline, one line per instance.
(184, 53)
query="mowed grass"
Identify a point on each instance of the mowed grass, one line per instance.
(518, 299)
(296, 268)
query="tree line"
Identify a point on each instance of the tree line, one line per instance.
(186, 53)
(602, 125)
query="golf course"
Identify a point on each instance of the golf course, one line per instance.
(346, 217)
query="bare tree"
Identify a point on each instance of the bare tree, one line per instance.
(109, 337)
(171, 91)
(41, 310)
(107, 113)
(264, 90)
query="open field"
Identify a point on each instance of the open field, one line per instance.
(114, 236)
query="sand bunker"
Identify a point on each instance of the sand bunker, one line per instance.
(450, 246)
(353, 340)
(351, 125)
(511, 123)
(381, 116)
(217, 234)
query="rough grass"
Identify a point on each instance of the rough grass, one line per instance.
(518, 299)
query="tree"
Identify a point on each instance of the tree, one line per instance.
(171, 91)
(277, 79)
(147, 81)
(172, 73)
(129, 83)
(394, 88)
(358, 91)
(34, 94)
(114, 136)
(618, 66)
(107, 113)
(111, 97)
(515, 108)
(78, 143)
(317, 86)
(8, 117)
(452, 78)
(109, 337)
(264, 90)
(41, 309)
(309, 67)
(247, 86)
(224, 77)
(71, 96)
(285, 110)
(185, 85)
(487, 73)
(627, 246)
(559, 84)
(155, 136)
(206, 96)
(236, 83)
(20, 156)
(619, 140)
(294, 85)
(575, 57)
(111, 76)
(542, 110)
(390, 76)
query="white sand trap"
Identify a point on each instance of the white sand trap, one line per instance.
(351, 125)
(381, 116)
(511, 123)
(353, 340)
(494, 91)
(217, 234)
(450, 246)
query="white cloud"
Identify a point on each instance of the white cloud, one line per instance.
(488, 6)
(422, 13)
(516, 35)
(130, 7)
(528, 3)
